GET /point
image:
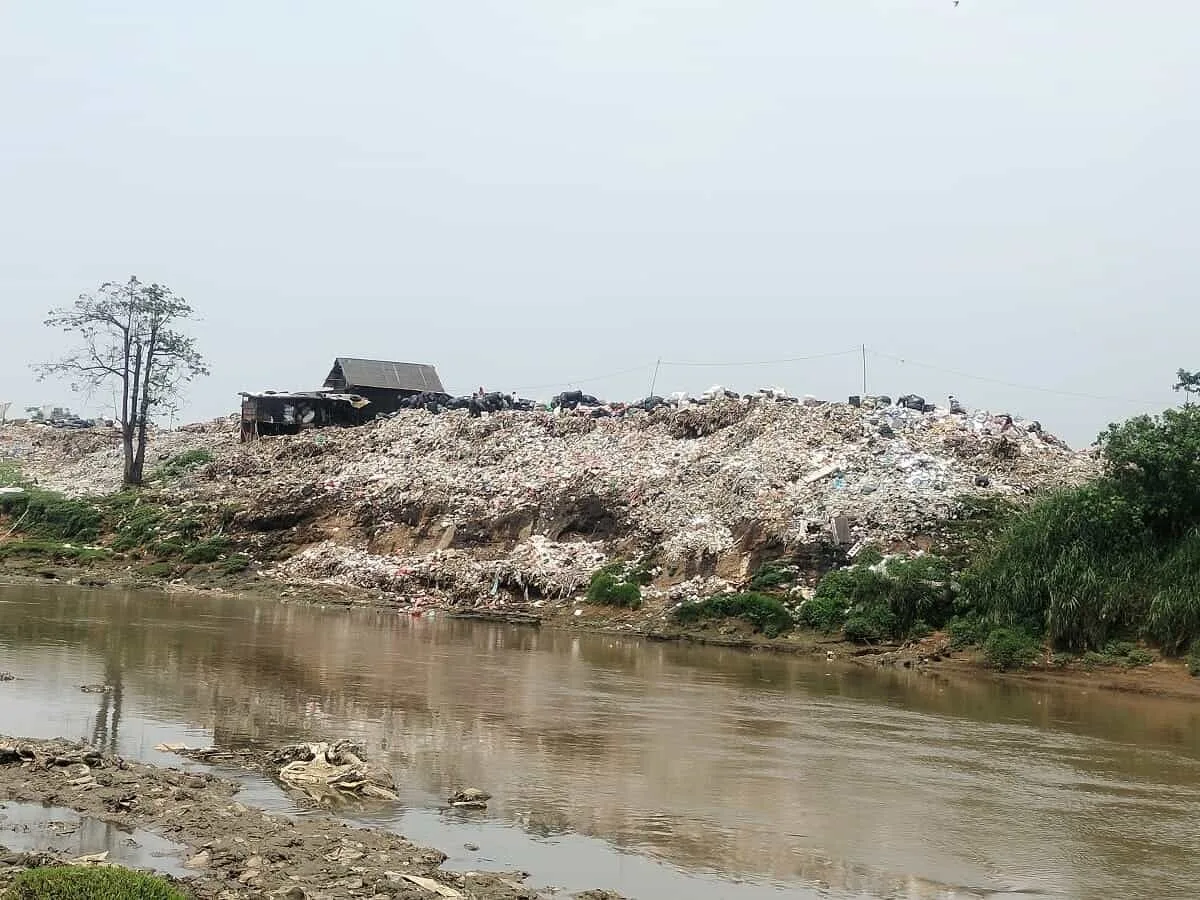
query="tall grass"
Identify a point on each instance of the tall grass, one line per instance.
(1082, 567)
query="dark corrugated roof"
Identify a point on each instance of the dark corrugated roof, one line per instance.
(377, 373)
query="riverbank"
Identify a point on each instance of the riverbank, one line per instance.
(515, 517)
(235, 850)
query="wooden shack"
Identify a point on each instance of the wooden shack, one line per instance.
(356, 391)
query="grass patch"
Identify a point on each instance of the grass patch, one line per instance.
(90, 883)
(235, 564)
(53, 550)
(51, 516)
(157, 570)
(183, 463)
(208, 550)
(767, 614)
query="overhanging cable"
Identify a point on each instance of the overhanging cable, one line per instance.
(1011, 384)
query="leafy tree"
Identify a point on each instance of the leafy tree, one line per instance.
(1155, 462)
(127, 335)
(1189, 382)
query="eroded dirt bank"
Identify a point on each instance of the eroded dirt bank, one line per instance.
(236, 851)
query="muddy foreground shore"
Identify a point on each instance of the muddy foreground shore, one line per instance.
(237, 852)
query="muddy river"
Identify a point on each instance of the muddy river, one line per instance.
(651, 769)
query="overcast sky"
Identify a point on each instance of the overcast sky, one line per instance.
(527, 192)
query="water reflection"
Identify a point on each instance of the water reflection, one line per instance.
(31, 826)
(859, 782)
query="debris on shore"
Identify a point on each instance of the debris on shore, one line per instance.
(469, 798)
(321, 770)
(234, 850)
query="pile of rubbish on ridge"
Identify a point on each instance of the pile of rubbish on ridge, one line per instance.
(579, 403)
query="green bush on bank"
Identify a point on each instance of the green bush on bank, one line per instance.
(1010, 648)
(767, 614)
(90, 883)
(886, 601)
(618, 584)
(1116, 558)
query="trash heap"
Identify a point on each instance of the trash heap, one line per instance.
(528, 504)
(523, 504)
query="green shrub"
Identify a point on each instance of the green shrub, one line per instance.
(641, 573)
(157, 570)
(826, 614)
(967, 630)
(184, 462)
(870, 624)
(869, 555)
(90, 883)
(919, 591)
(1070, 566)
(609, 587)
(1118, 556)
(1193, 659)
(238, 562)
(766, 614)
(769, 576)
(1010, 648)
(882, 602)
(860, 630)
(206, 551)
(1138, 657)
(137, 525)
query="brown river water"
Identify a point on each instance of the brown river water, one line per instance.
(656, 770)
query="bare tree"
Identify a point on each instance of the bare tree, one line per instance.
(128, 337)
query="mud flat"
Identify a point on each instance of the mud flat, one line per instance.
(234, 850)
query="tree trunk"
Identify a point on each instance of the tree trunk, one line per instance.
(143, 418)
(128, 385)
(133, 471)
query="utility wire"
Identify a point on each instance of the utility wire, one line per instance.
(763, 362)
(1012, 384)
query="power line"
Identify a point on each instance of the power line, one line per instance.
(761, 362)
(1011, 384)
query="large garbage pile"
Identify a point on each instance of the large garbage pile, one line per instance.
(528, 503)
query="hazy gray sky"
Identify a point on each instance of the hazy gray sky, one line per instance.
(530, 191)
